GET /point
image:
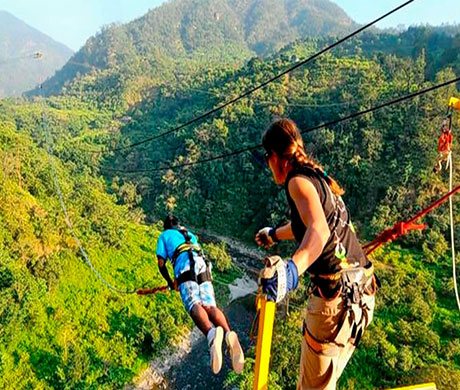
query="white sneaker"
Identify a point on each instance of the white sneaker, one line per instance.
(236, 352)
(215, 349)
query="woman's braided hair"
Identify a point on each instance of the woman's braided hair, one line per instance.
(283, 138)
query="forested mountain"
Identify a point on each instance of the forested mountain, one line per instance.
(187, 35)
(19, 71)
(61, 328)
(439, 45)
(335, 86)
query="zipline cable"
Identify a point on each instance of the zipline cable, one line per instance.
(256, 88)
(35, 55)
(254, 147)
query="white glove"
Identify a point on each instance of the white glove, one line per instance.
(265, 237)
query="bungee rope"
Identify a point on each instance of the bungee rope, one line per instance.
(142, 291)
(54, 175)
(151, 291)
(450, 162)
(66, 214)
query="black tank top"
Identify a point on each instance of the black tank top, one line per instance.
(342, 250)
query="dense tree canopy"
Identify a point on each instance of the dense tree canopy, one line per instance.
(61, 328)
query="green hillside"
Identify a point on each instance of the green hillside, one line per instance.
(60, 327)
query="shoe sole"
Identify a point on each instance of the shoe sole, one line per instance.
(216, 351)
(236, 352)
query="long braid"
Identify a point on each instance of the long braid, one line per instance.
(300, 158)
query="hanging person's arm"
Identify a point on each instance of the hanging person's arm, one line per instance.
(164, 272)
(161, 257)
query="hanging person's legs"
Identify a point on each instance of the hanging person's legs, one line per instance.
(438, 165)
(200, 302)
(218, 318)
(191, 298)
(442, 158)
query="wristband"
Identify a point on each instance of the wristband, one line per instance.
(272, 234)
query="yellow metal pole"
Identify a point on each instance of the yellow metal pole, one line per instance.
(264, 343)
(427, 386)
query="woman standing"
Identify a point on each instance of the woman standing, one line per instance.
(341, 297)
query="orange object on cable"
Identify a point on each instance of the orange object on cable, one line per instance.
(401, 228)
(445, 141)
(151, 291)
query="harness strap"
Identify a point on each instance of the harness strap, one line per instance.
(185, 247)
(189, 276)
(192, 264)
(354, 284)
(327, 348)
(191, 248)
(368, 272)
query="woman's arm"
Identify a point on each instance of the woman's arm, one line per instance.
(308, 204)
(284, 232)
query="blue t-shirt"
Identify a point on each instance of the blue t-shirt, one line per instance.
(167, 243)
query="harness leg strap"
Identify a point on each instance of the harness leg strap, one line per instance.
(192, 264)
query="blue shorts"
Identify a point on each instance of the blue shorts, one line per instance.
(191, 292)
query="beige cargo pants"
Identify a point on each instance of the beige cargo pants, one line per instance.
(327, 345)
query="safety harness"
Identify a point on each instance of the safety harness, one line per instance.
(354, 284)
(351, 284)
(191, 248)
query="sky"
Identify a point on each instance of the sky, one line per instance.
(72, 22)
(434, 12)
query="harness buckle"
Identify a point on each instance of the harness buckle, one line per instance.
(355, 294)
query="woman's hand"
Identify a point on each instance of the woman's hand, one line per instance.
(278, 278)
(266, 237)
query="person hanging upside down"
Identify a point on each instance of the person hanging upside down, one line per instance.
(445, 143)
(193, 280)
(341, 297)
